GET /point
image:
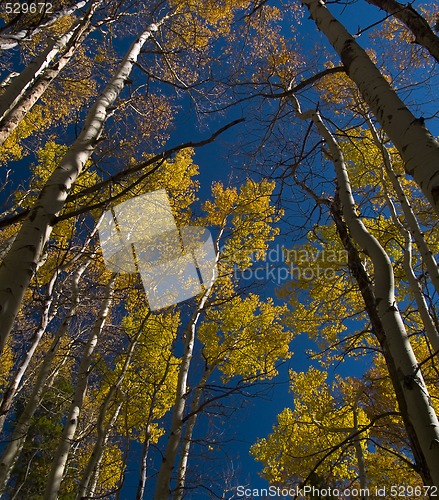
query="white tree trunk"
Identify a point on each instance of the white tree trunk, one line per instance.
(10, 391)
(165, 474)
(20, 97)
(418, 148)
(143, 464)
(43, 380)
(11, 40)
(427, 320)
(86, 488)
(419, 407)
(60, 459)
(98, 451)
(164, 479)
(359, 454)
(46, 318)
(146, 443)
(187, 438)
(19, 265)
(90, 476)
(27, 77)
(410, 218)
(424, 35)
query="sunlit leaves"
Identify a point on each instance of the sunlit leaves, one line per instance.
(322, 419)
(245, 337)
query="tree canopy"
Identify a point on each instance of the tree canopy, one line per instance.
(281, 159)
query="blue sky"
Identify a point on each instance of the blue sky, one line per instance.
(257, 417)
(256, 420)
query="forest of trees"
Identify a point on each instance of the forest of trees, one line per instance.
(319, 120)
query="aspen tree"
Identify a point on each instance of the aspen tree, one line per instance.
(10, 38)
(19, 265)
(32, 82)
(415, 22)
(410, 217)
(43, 380)
(418, 148)
(251, 339)
(68, 435)
(420, 409)
(164, 478)
(46, 317)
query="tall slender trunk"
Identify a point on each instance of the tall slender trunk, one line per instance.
(61, 454)
(164, 479)
(165, 474)
(420, 28)
(410, 218)
(419, 407)
(42, 381)
(415, 287)
(11, 389)
(20, 97)
(143, 464)
(36, 67)
(418, 148)
(187, 438)
(365, 285)
(99, 454)
(10, 40)
(85, 490)
(359, 454)
(19, 265)
(46, 317)
(90, 476)
(146, 442)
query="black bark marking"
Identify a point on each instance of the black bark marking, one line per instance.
(435, 194)
(347, 54)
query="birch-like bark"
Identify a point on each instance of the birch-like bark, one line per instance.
(416, 23)
(86, 488)
(164, 479)
(187, 438)
(13, 93)
(6, 246)
(19, 265)
(20, 97)
(11, 40)
(418, 148)
(46, 318)
(358, 271)
(419, 407)
(359, 453)
(99, 451)
(143, 464)
(145, 449)
(11, 390)
(43, 380)
(415, 286)
(410, 218)
(165, 474)
(60, 459)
